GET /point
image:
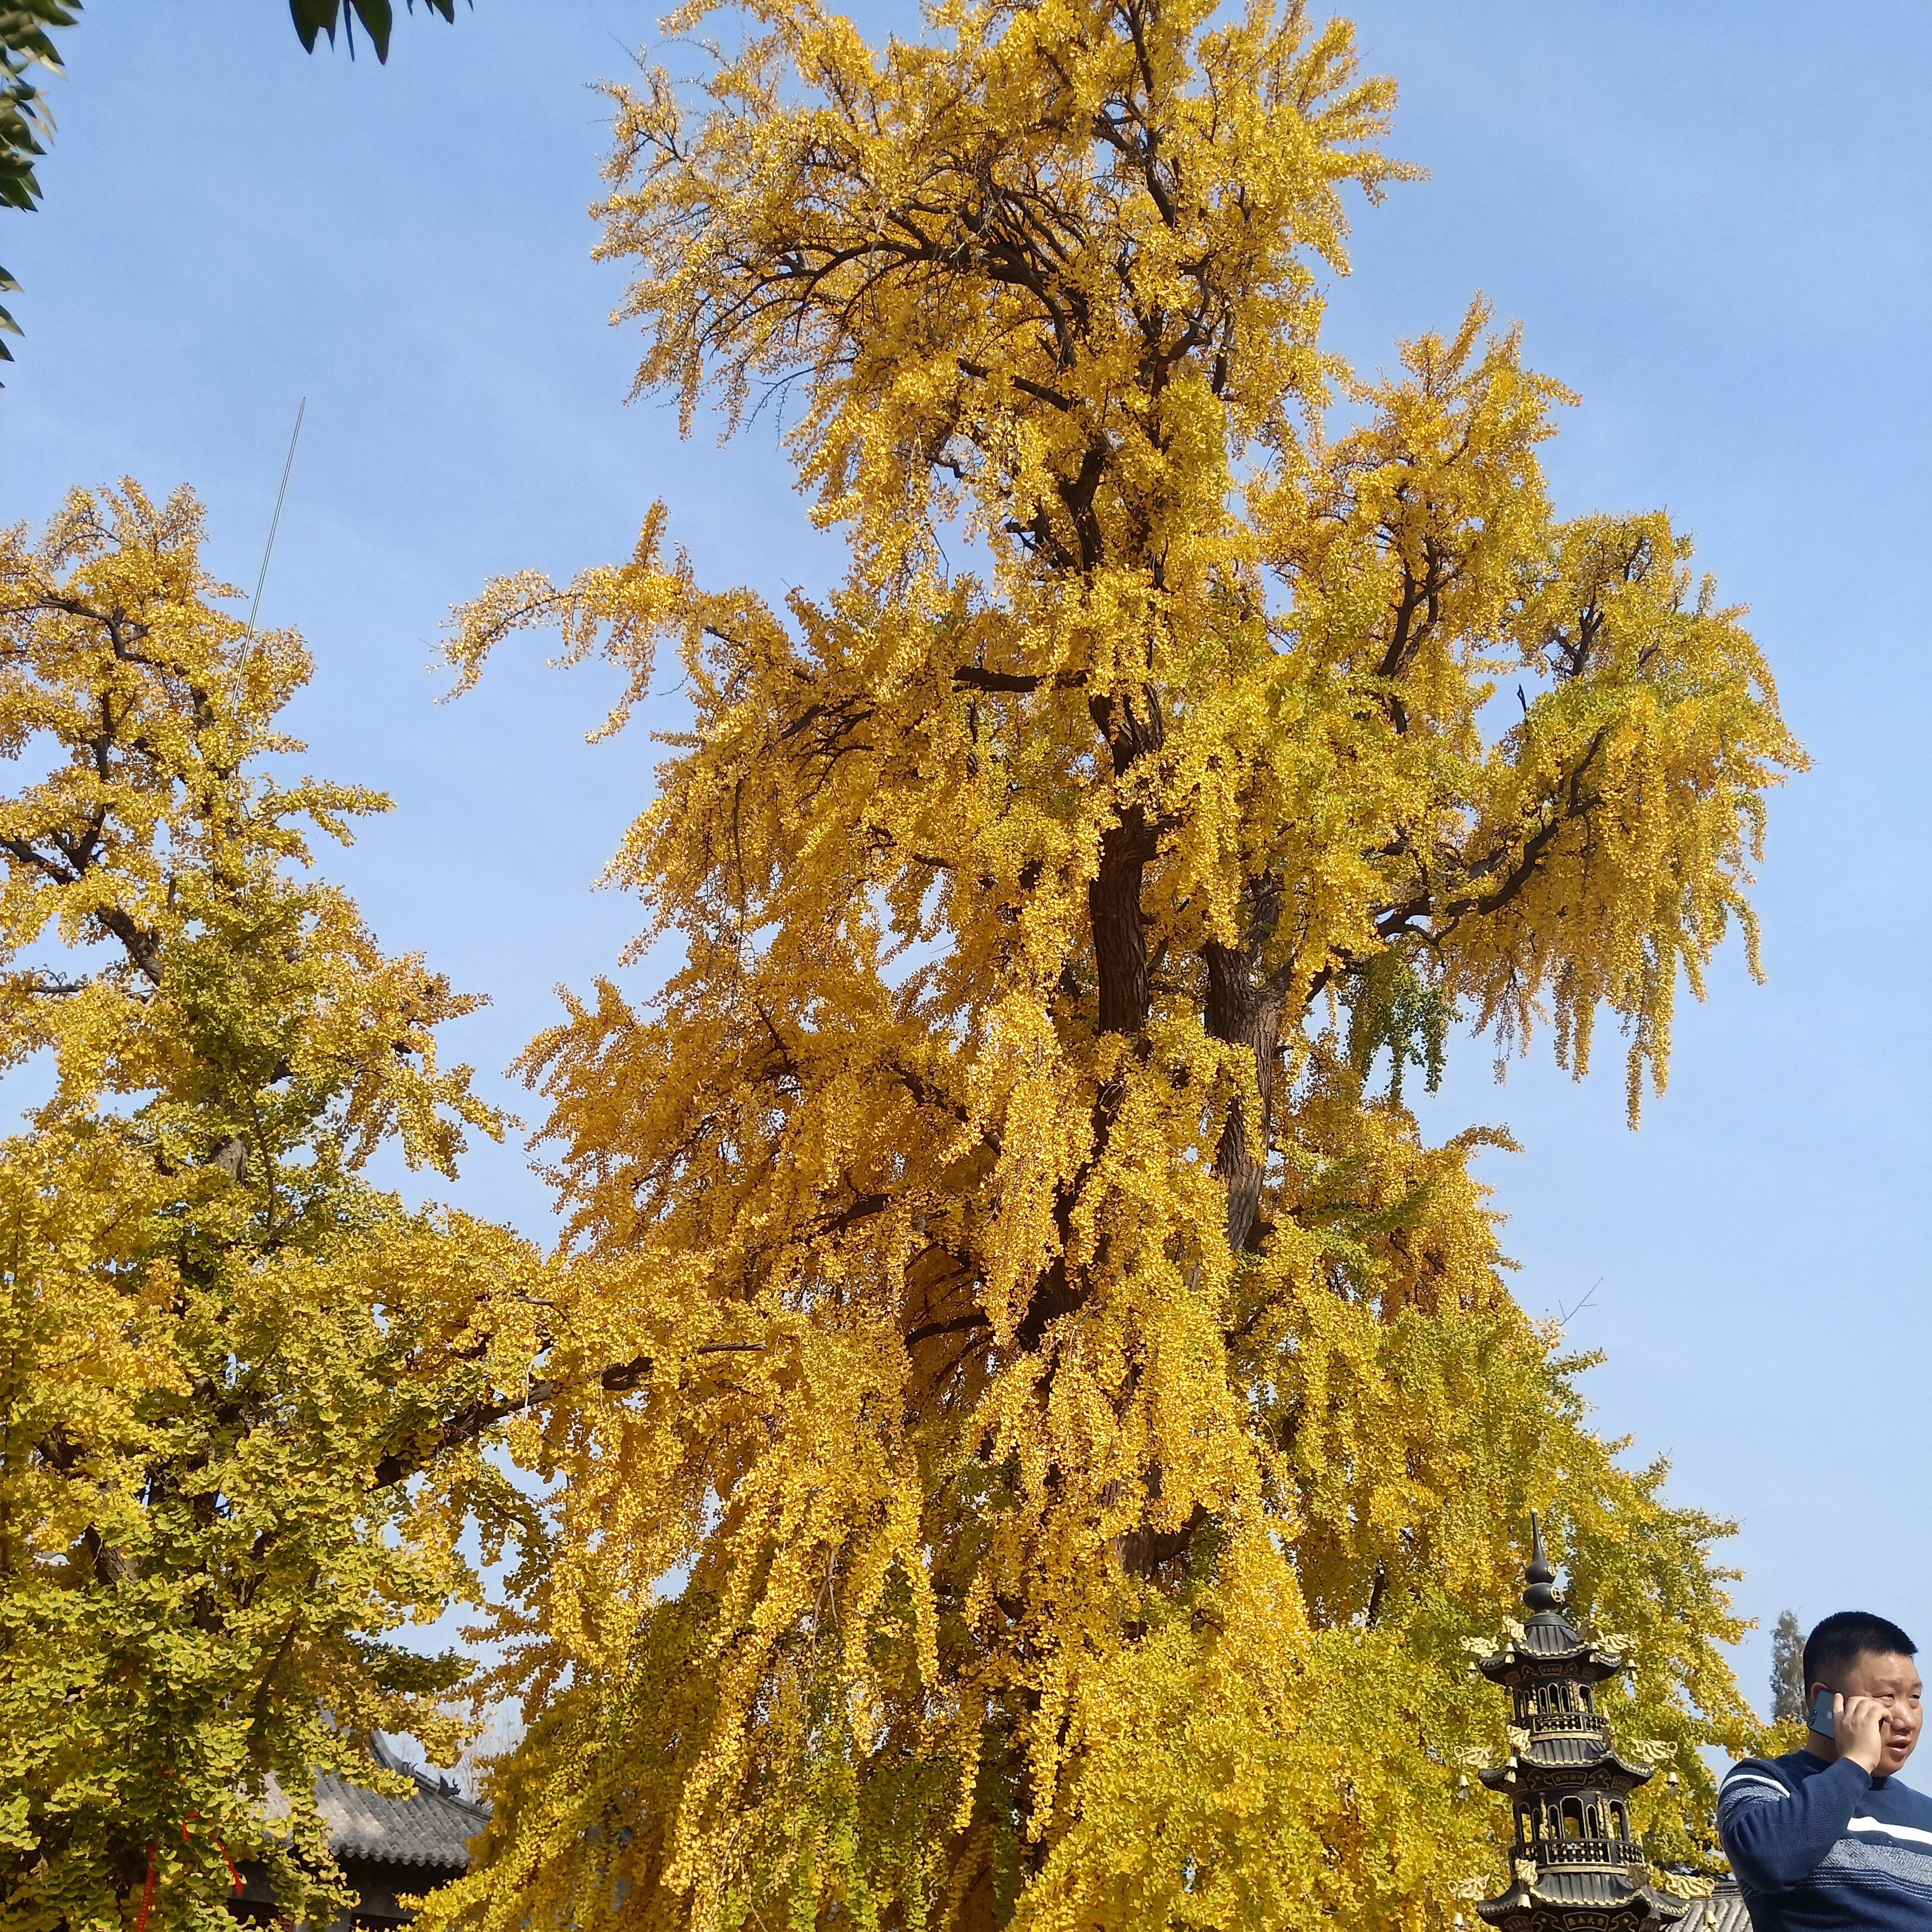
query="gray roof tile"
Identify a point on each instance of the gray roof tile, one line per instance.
(431, 1828)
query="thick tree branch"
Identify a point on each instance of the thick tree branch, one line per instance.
(474, 1419)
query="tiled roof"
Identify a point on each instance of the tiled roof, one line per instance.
(431, 1828)
(1723, 1911)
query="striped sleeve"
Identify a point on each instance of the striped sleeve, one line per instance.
(1775, 1834)
(1750, 1784)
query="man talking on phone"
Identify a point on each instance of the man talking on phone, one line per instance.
(1826, 1839)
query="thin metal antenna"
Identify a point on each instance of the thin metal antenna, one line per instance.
(268, 549)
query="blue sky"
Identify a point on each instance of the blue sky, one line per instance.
(1711, 218)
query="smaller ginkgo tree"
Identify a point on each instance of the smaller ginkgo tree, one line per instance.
(224, 1353)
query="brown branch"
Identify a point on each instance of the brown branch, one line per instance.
(928, 1331)
(863, 1209)
(1038, 391)
(970, 677)
(476, 1419)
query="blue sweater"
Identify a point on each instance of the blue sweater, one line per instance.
(1821, 1847)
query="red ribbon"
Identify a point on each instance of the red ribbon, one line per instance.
(147, 1891)
(233, 1871)
(154, 1849)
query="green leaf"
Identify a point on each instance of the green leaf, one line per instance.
(312, 17)
(24, 38)
(376, 16)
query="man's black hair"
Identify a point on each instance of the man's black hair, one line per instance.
(1845, 1636)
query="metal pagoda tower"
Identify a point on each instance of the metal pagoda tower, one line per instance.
(1576, 1866)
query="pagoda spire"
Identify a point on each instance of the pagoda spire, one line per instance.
(1539, 1579)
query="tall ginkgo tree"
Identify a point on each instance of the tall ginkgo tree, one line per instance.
(1069, 1415)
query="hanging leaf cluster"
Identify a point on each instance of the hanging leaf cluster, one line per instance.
(26, 120)
(378, 17)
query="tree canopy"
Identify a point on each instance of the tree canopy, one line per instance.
(1071, 1415)
(1787, 1671)
(1022, 1422)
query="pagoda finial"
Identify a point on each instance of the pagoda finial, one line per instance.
(1539, 1576)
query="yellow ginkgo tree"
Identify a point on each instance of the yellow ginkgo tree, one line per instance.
(1070, 1416)
(228, 1360)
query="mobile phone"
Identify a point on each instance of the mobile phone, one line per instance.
(1820, 1719)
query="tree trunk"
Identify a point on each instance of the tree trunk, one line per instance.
(1245, 1010)
(1120, 924)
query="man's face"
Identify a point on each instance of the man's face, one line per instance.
(1894, 1682)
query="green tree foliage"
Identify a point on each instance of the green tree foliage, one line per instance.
(315, 17)
(1787, 1669)
(27, 51)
